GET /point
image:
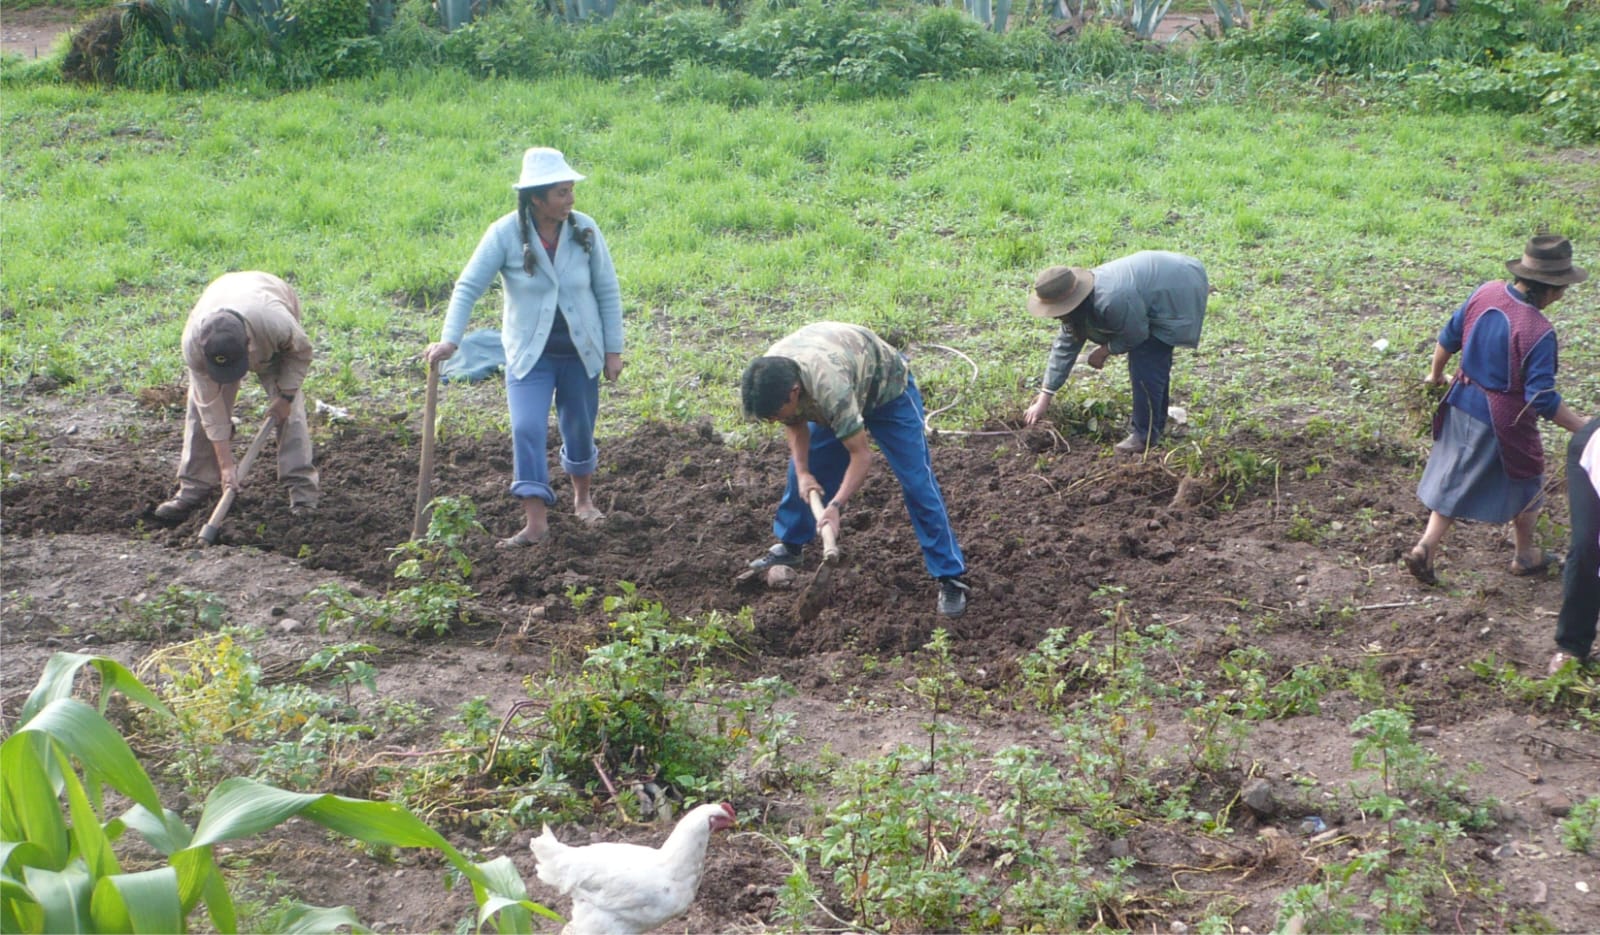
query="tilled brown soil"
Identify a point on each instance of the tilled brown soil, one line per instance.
(1293, 549)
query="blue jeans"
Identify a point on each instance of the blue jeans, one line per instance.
(1150, 373)
(897, 428)
(577, 401)
(1580, 588)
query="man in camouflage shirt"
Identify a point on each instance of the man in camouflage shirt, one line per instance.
(832, 385)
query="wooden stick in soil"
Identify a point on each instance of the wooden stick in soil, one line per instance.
(213, 526)
(419, 525)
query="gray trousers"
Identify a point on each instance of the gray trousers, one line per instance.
(199, 475)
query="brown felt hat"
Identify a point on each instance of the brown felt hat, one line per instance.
(226, 344)
(1548, 259)
(1058, 290)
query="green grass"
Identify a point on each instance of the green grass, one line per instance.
(1324, 226)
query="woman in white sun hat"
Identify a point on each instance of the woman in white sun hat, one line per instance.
(561, 329)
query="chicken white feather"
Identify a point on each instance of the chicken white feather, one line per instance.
(619, 889)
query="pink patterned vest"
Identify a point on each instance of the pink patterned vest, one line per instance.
(1516, 425)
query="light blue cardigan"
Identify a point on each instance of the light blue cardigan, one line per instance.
(583, 284)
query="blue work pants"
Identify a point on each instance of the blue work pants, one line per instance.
(897, 427)
(1150, 373)
(577, 400)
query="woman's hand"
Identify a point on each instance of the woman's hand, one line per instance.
(1434, 379)
(1097, 357)
(1036, 411)
(613, 367)
(438, 351)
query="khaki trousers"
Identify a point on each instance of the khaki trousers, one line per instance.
(199, 475)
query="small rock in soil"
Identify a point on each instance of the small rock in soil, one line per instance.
(1258, 797)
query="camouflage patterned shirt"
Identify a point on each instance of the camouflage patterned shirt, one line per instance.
(846, 371)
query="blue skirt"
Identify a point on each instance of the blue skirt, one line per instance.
(1464, 478)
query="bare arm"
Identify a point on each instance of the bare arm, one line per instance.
(1436, 367)
(1567, 419)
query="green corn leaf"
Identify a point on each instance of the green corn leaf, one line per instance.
(219, 902)
(89, 838)
(63, 895)
(241, 807)
(19, 911)
(30, 814)
(166, 833)
(61, 670)
(94, 743)
(138, 902)
(311, 920)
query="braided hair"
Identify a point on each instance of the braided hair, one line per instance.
(525, 198)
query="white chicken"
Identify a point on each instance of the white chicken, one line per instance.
(625, 888)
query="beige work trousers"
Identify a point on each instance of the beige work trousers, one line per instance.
(199, 474)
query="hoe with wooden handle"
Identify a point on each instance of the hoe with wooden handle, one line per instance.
(430, 407)
(815, 593)
(213, 527)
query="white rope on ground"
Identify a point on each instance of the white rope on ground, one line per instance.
(927, 419)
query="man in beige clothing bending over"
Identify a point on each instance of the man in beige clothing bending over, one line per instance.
(243, 322)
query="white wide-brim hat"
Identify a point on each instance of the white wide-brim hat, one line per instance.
(542, 165)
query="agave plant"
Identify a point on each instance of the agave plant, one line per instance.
(1230, 14)
(993, 14)
(1143, 17)
(59, 870)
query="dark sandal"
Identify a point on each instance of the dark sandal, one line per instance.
(1419, 561)
(1520, 570)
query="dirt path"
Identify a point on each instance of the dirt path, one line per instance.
(33, 32)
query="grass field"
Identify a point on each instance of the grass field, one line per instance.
(1325, 226)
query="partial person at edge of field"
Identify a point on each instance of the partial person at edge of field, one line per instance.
(1580, 579)
(561, 328)
(243, 322)
(1143, 306)
(832, 385)
(1487, 462)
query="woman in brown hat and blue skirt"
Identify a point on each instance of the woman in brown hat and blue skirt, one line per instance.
(1487, 462)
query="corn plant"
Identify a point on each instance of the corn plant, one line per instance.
(59, 870)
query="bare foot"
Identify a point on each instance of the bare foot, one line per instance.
(524, 538)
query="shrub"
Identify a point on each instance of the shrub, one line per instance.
(1563, 88)
(332, 36)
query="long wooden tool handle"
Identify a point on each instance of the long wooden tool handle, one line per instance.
(213, 526)
(830, 541)
(419, 524)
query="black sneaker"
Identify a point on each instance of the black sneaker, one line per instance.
(781, 553)
(953, 596)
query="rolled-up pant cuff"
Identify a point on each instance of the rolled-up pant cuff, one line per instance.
(580, 468)
(526, 489)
